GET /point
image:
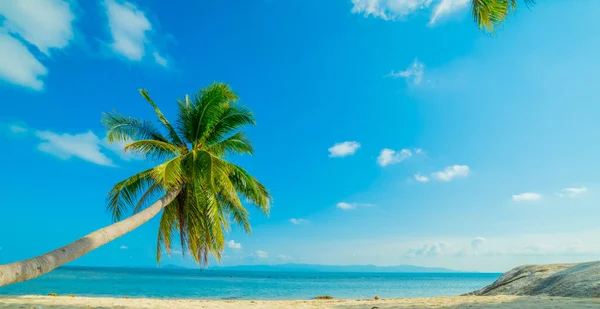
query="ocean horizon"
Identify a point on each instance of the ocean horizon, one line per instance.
(244, 284)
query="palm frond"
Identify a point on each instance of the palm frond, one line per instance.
(125, 193)
(490, 14)
(205, 106)
(153, 149)
(246, 185)
(161, 117)
(169, 174)
(231, 119)
(238, 143)
(126, 129)
(166, 229)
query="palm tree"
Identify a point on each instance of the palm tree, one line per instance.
(489, 14)
(196, 189)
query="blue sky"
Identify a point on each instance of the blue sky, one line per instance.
(389, 132)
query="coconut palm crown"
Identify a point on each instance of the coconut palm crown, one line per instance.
(190, 157)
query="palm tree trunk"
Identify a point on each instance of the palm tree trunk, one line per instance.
(29, 269)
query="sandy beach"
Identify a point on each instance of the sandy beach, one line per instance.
(483, 302)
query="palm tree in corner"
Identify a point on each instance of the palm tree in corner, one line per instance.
(489, 14)
(196, 189)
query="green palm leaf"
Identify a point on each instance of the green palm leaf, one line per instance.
(491, 14)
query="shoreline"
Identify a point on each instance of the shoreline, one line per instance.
(481, 302)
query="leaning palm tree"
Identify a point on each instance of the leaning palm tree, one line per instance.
(195, 187)
(489, 14)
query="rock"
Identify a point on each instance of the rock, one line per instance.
(564, 280)
(324, 297)
(52, 294)
(376, 297)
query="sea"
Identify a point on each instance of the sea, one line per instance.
(256, 285)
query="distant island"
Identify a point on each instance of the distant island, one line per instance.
(291, 268)
(171, 266)
(336, 268)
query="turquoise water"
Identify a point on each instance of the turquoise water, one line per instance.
(163, 283)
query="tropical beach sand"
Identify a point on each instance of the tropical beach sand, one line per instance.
(473, 302)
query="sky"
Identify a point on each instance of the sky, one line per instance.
(388, 131)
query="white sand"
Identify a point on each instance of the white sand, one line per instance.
(473, 302)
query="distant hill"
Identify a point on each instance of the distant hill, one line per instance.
(334, 268)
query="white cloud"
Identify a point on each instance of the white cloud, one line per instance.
(413, 74)
(388, 156)
(18, 65)
(349, 206)
(160, 59)
(400, 9)
(572, 192)
(44, 23)
(131, 32)
(388, 9)
(128, 26)
(262, 254)
(452, 172)
(123, 247)
(477, 242)
(343, 149)
(421, 178)
(298, 221)
(526, 197)
(345, 206)
(86, 146)
(447, 7)
(234, 245)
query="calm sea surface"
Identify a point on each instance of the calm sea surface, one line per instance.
(163, 283)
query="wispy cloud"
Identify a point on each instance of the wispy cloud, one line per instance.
(262, 254)
(283, 257)
(130, 30)
(388, 9)
(389, 156)
(298, 221)
(19, 66)
(526, 197)
(344, 149)
(435, 249)
(413, 74)
(572, 192)
(234, 245)
(451, 172)
(350, 206)
(17, 129)
(401, 9)
(86, 146)
(421, 178)
(446, 8)
(477, 242)
(45, 24)
(344, 206)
